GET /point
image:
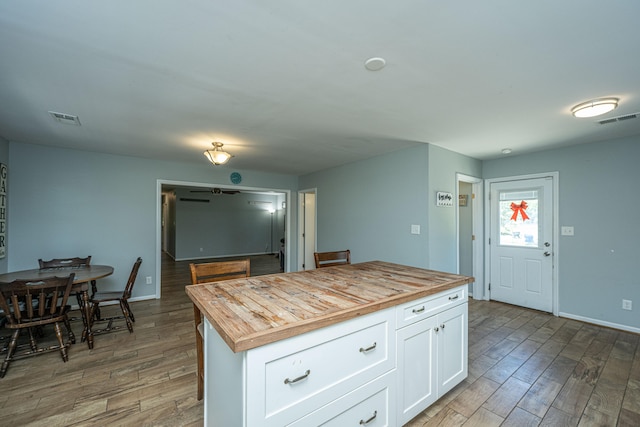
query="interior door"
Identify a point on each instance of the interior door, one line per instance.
(521, 242)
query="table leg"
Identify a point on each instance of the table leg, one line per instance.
(85, 309)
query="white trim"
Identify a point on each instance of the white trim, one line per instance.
(556, 232)
(301, 221)
(477, 230)
(600, 322)
(161, 182)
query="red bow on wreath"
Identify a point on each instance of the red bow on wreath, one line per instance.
(521, 209)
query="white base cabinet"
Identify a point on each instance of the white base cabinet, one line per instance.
(380, 369)
(432, 352)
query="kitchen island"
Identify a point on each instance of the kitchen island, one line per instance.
(374, 343)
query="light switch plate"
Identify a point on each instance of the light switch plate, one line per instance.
(566, 230)
(415, 229)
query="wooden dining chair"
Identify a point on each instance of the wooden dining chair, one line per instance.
(329, 259)
(68, 262)
(32, 304)
(64, 263)
(122, 298)
(206, 273)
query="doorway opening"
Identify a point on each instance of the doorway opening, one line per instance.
(208, 221)
(469, 212)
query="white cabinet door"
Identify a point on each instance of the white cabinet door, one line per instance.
(416, 368)
(452, 334)
(432, 359)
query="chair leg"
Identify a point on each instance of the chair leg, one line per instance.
(72, 336)
(133, 319)
(63, 346)
(11, 348)
(32, 340)
(127, 315)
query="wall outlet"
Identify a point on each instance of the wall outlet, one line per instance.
(627, 304)
(149, 280)
(201, 249)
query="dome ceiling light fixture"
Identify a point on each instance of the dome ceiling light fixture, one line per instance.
(217, 156)
(595, 107)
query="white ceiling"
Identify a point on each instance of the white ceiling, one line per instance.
(282, 83)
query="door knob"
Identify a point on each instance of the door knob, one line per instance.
(547, 244)
(547, 254)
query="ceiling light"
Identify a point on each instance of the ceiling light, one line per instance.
(595, 107)
(217, 156)
(375, 64)
(506, 151)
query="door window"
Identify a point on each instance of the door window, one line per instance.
(519, 218)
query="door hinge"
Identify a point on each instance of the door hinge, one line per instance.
(473, 237)
(489, 286)
(489, 240)
(473, 195)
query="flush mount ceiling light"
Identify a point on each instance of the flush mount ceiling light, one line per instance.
(595, 107)
(506, 151)
(217, 156)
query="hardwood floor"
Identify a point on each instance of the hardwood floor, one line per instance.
(526, 368)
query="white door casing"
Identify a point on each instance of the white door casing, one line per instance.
(522, 242)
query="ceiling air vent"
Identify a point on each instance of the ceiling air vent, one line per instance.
(619, 118)
(69, 119)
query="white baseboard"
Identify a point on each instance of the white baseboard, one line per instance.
(600, 322)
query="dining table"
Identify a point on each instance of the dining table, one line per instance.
(83, 276)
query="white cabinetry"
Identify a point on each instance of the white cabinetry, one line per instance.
(432, 350)
(326, 375)
(379, 369)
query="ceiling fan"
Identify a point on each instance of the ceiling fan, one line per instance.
(216, 191)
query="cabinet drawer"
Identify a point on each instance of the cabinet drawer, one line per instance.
(305, 372)
(415, 311)
(371, 405)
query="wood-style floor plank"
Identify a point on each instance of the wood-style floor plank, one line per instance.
(526, 368)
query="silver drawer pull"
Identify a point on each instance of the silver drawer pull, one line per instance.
(453, 298)
(364, 350)
(373, 417)
(300, 378)
(418, 310)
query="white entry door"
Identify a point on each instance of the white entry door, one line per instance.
(522, 242)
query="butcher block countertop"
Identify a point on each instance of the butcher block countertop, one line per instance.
(248, 313)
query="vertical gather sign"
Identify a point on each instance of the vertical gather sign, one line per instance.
(3, 210)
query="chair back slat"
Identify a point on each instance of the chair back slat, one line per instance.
(329, 259)
(220, 270)
(65, 262)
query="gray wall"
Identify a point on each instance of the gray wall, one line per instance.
(226, 225)
(443, 167)
(369, 207)
(70, 203)
(598, 196)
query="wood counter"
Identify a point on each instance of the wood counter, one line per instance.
(249, 313)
